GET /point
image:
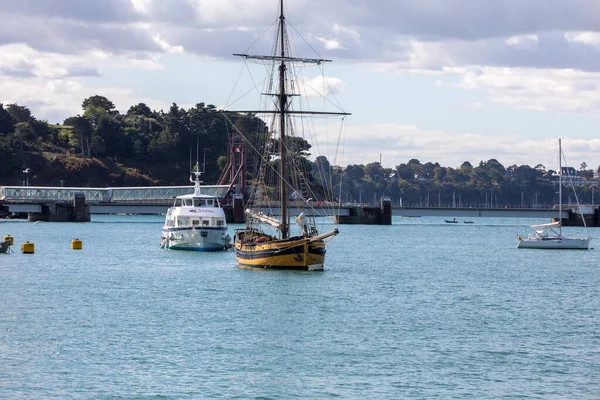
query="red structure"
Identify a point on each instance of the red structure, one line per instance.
(235, 172)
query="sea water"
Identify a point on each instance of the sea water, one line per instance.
(420, 309)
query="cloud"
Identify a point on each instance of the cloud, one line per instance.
(58, 99)
(398, 143)
(590, 38)
(532, 89)
(534, 54)
(25, 62)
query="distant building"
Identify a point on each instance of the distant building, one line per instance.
(570, 174)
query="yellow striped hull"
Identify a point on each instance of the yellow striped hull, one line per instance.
(293, 253)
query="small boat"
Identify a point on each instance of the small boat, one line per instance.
(196, 222)
(468, 222)
(546, 236)
(4, 246)
(452, 221)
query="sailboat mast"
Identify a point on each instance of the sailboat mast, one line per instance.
(282, 113)
(560, 186)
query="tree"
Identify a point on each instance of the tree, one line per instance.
(540, 168)
(222, 162)
(140, 109)
(583, 166)
(466, 166)
(19, 113)
(98, 101)
(374, 171)
(82, 131)
(405, 172)
(7, 121)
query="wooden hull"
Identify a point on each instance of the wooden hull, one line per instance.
(295, 253)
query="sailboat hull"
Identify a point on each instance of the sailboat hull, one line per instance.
(293, 253)
(555, 243)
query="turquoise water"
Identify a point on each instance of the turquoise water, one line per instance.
(420, 310)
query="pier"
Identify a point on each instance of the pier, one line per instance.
(78, 203)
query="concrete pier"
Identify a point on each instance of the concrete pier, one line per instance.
(381, 215)
(64, 211)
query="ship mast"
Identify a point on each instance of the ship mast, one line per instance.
(282, 110)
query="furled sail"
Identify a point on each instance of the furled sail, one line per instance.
(259, 216)
(547, 226)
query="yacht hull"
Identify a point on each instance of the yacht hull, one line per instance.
(294, 253)
(555, 243)
(195, 239)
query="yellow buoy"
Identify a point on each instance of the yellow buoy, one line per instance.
(27, 248)
(10, 239)
(77, 244)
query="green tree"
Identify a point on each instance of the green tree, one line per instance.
(7, 121)
(19, 113)
(98, 101)
(140, 109)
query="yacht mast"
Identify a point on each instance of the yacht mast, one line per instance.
(282, 112)
(560, 186)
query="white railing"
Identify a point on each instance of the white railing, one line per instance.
(31, 193)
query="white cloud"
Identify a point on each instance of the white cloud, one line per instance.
(523, 42)
(330, 44)
(536, 89)
(590, 38)
(398, 143)
(58, 98)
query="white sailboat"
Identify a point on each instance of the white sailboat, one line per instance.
(549, 236)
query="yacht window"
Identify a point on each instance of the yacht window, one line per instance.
(205, 222)
(209, 203)
(219, 223)
(197, 203)
(195, 222)
(182, 222)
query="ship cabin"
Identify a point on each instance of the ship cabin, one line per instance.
(195, 212)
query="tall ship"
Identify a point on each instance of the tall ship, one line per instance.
(195, 222)
(270, 238)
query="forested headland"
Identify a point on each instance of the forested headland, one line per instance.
(101, 147)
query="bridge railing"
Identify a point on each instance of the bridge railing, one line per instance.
(32, 193)
(50, 193)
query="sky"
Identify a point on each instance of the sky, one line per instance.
(442, 81)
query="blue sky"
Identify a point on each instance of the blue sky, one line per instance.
(446, 81)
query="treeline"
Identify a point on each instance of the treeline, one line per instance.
(488, 184)
(142, 146)
(102, 147)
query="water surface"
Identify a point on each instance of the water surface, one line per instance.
(420, 309)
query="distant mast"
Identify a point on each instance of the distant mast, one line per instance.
(559, 187)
